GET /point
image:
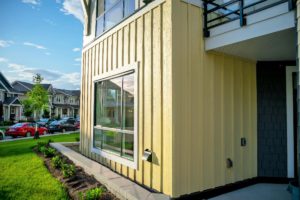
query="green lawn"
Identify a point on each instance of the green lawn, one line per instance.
(23, 174)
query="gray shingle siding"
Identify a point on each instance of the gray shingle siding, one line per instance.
(271, 124)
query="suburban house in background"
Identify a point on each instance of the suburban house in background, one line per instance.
(10, 106)
(24, 87)
(185, 96)
(65, 103)
(62, 103)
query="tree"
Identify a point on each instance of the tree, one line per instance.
(37, 99)
(27, 110)
(37, 79)
(46, 113)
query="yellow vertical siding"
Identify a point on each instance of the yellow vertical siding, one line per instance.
(214, 105)
(194, 106)
(141, 40)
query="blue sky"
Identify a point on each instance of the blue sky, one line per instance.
(41, 36)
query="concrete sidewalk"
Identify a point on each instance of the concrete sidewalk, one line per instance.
(261, 191)
(122, 187)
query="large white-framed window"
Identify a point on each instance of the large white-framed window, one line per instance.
(115, 114)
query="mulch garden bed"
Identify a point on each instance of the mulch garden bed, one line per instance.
(79, 183)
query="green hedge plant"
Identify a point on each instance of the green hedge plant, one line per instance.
(92, 194)
(68, 170)
(48, 151)
(57, 162)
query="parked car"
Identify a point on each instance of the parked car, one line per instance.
(77, 124)
(68, 118)
(45, 121)
(26, 129)
(62, 126)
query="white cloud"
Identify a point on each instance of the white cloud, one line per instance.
(77, 59)
(15, 67)
(33, 2)
(72, 78)
(6, 43)
(3, 59)
(58, 79)
(73, 7)
(34, 45)
(76, 49)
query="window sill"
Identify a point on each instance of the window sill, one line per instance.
(116, 158)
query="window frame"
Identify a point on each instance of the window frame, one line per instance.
(121, 71)
(136, 6)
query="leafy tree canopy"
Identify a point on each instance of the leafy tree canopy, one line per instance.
(37, 99)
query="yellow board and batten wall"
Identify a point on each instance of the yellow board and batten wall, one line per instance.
(214, 106)
(144, 39)
(194, 106)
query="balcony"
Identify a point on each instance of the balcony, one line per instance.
(253, 29)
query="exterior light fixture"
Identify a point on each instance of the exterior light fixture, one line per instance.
(147, 156)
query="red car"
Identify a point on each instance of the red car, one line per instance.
(26, 129)
(77, 124)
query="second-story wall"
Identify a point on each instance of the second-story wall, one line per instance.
(59, 99)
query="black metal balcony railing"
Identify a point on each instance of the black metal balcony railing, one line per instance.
(218, 12)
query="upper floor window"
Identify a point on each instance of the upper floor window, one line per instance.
(111, 12)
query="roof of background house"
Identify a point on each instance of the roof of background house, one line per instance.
(11, 100)
(67, 92)
(2, 87)
(22, 86)
(5, 84)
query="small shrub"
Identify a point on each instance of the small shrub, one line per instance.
(40, 145)
(92, 194)
(77, 139)
(43, 144)
(48, 152)
(8, 123)
(42, 148)
(56, 161)
(68, 170)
